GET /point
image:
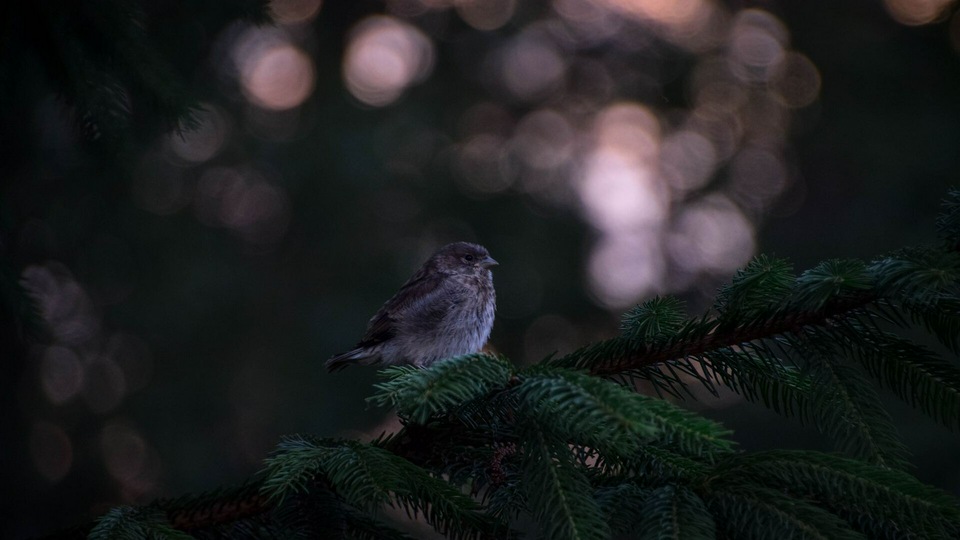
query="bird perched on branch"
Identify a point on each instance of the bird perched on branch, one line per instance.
(444, 310)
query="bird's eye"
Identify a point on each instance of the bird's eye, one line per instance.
(468, 258)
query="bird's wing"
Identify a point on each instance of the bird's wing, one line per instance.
(383, 325)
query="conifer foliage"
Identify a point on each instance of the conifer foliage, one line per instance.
(568, 448)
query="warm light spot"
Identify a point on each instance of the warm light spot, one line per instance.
(61, 374)
(618, 193)
(544, 139)
(724, 129)
(204, 142)
(696, 25)
(629, 129)
(242, 200)
(618, 185)
(589, 21)
(667, 12)
(797, 81)
(278, 77)
(532, 67)
(916, 12)
(294, 11)
(755, 52)
(485, 14)
(622, 197)
(687, 160)
(713, 236)
(383, 58)
(762, 20)
(51, 451)
(624, 268)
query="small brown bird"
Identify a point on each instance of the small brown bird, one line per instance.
(444, 310)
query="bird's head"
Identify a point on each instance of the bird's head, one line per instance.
(463, 258)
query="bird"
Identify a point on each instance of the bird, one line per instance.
(445, 309)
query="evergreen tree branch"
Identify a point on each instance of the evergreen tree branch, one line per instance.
(420, 393)
(622, 504)
(616, 355)
(124, 522)
(558, 495)
(875, 500)
(846, 406)
(913, 373)
(675, 513)
(754, 512)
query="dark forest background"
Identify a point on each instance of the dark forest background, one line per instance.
(192, 281)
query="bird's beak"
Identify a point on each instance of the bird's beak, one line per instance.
(488, 262)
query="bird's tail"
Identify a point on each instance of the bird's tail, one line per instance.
(360, 356)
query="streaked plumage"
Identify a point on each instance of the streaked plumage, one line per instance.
(446, 309)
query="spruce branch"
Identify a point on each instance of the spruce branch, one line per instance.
(876, 500)
(217, 508)
(675, 513)
(130, 522)
(483, 444)
(420, 393)
(755, 512)
(368, 477)
(616, 356)
(556, 492)
(916, 375)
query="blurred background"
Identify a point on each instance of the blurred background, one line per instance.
(604, 151)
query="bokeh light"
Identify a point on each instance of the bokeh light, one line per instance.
(485, 14)
(531, 67)
(544, 139)
(797, 81)
(712, 235)
(204, 142)
(294, 11)
(673, 193)
(279, 78)
(692, 24)
(64, 303)
(619, 149)
(61, 374)
(625, 267)
(687, 161)
(481, 164)
(129, 460)
(756, 45)
(618, 193)
(244, 201)
(275, 73)
(385, 56)
(917, 12)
